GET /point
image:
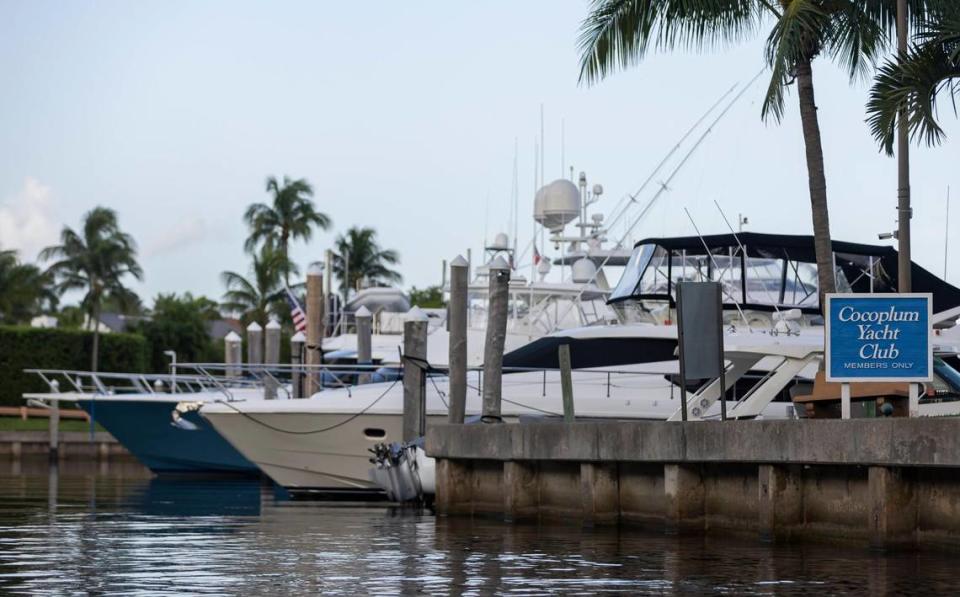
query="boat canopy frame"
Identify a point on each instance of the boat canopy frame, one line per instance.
(729, 258)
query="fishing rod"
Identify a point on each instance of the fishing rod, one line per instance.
(664, 186)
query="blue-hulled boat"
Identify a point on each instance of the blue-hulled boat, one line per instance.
(145, 427)
(163, 430)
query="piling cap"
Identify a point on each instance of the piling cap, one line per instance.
(254, 327)
(298, 337)
(498, 263)
(315, 269)
(415, 314)
(273, 324)
(363, 312)
(232, 337)
(459, 261)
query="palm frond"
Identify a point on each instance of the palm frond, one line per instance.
(618, 33)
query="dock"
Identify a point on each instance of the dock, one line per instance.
(883, 483)
(72, 445)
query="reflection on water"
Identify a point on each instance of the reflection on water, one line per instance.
(114, 529)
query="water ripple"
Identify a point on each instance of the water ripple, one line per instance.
(125, 533)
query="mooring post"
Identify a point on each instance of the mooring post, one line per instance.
(566, 382)
(414, 375)
(364, 342)
(296, 362)
(499, 300)
(314, 327)
(844, 401)
(457, 325)
(54, 425)
(254, 344)
(231, 353)
(271, 357)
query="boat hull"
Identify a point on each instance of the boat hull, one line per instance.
(147, 431)
(332, 460)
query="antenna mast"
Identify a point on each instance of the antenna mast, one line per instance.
(946, 235)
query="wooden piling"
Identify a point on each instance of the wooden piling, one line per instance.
(566, 382)
(499, 299)
(457, 326)
(296, 362)
(314, 327)
(54, 429)
(414, 377)
(271, 357)
(364, 341)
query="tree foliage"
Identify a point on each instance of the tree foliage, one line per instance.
(430, 297)
(852, 33)
(95, 261)
(291, 215)
(25, 290)
(258, 296)
(365, 260)
(182, 324)
(36, 348)
(915, 81)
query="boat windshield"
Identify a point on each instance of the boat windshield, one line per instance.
(947, 380)
(758, 281)
(653, 272)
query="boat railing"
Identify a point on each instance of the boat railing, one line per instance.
(94, 383)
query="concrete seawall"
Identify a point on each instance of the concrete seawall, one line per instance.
(72, 445)
(880, 482)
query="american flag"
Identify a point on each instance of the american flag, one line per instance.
(296, 313)
(536, 255)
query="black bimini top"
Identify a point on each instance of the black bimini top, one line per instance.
(771, 270)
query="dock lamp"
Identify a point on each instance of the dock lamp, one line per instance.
(173, 369)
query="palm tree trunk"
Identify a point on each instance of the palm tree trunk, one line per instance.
(96, 337)
(816, 179)
(904, 213)
(284, 240)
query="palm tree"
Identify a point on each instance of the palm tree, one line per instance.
(95, 261)
(617, 34)
(291, 216)
(365, 260)
(256, 297)
(928, 69)
(25, 291)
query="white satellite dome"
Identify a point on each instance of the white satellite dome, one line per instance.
(543, 268)
(556, 204)
(501, 242)
(584, 270)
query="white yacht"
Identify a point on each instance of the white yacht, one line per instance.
(623, 371)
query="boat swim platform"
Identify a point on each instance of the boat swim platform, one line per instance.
(883, 483)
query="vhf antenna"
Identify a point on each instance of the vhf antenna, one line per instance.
(717, 267)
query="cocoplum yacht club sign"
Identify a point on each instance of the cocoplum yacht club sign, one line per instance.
(879, 337)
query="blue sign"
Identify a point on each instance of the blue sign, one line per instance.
(879, 337)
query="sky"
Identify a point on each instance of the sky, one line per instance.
(405, 117)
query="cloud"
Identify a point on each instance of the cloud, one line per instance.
(27, 220)
(186, 232)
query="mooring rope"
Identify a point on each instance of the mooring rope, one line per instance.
(313, 431)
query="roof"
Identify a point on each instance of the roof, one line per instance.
(219, 328)
(800, 246)
(119, 322)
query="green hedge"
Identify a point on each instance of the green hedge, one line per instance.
(34, 348)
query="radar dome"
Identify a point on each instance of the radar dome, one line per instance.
(543, 268)
(501, 242)
(584, 271)
(556, 204)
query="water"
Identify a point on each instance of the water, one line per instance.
(115, 529)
